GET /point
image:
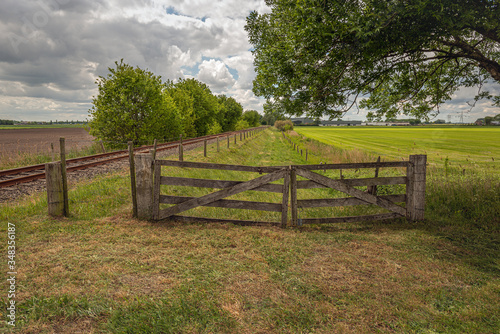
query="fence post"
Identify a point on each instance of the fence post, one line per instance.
(131, 161)
(218, 148)
(373, 189)
(205, 148)
(181, 151)
(52, 149)
(55, 193)
(64, 176)
(144, 179)
(153, 153)
(235, 139)
(228, 141)
(415, 187)
(102, 146)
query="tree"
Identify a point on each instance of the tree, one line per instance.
(229, 112)
(252, 117)
(322, 57)
(185, 105)
(205, 105)
(128, 107)
(241, 125)
(270, 114)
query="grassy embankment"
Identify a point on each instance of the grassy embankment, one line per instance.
(102, 271)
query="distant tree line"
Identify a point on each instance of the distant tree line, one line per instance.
(135, 105)
(6, 122)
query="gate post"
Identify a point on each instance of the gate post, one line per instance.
(293, 195)
(415, 188)
(284, 203)
(144, 186)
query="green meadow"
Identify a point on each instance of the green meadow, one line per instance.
(469, 148)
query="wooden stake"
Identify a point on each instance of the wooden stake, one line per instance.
(153, 153)
(52, 150)
(373, 189)
(205, 148)
(181, 151)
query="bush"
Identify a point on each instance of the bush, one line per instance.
(284, 125)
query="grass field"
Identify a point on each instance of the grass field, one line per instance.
(469, 148)
(101, 271)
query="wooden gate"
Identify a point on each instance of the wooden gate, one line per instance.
(413, 198)
(216, 199)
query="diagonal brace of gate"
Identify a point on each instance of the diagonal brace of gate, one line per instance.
(203, 200)
(345, 188)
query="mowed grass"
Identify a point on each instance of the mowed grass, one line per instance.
(101, 271)
(469, 148)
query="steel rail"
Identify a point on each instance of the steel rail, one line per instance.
(41, 175)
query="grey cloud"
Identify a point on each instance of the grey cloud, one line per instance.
(51, 51)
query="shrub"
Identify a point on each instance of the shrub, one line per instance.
(284, 125)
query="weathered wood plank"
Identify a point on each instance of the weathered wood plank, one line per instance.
(351, 219)
(345, 201)
(190, 204)
(207, 183)
(356, 165)
(225, 203)
(189, 164)
(341, 186)
(188, 219)
(357, 182)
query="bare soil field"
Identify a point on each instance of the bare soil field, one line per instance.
(23, 141)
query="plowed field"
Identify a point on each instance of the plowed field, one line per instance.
(22, 141)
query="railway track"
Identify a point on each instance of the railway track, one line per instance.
(11, 177)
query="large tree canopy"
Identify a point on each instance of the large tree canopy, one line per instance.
(129, 106)
(401, 56)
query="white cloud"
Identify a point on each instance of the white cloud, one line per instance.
(215, 74)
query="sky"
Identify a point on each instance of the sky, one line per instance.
(52, 52)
